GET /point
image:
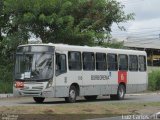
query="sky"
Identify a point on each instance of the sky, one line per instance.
(147, 20)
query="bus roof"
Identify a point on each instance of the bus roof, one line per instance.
(67, 47)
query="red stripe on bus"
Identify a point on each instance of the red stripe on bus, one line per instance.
(122, 77)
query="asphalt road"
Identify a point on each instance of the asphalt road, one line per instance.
(28, 101)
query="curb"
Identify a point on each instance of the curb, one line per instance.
(6, 95)
(139, 94)
(134, 94)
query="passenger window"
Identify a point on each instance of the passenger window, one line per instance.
(142, 63)
(88, 61)
(101, 61)
(112, 62)
(60, 64)
(133, 63)
(74, 61)
(123, 62)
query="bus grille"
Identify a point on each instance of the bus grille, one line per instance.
(32, 90)
(30, 94)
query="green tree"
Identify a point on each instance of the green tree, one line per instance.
(80, 22)
(63, 21)
(1, 18)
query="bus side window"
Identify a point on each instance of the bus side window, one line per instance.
(60, 64)
(74, 60)
(123, 62)
(133, 63)
(112, 62)
(101, 63)
(88, 61)
(142, 63)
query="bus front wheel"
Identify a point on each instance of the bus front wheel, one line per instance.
(38, 99)
(72, 95)
(120, 93)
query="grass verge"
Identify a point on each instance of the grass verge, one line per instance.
(107, 109)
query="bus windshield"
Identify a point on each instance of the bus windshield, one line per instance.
(34, 66)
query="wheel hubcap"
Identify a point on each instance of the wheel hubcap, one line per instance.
(72, 94)
(121, 92)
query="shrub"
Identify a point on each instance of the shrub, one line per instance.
(154, 80)
(6, 78)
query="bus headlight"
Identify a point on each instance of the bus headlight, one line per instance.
(18, 84)
(49, 84)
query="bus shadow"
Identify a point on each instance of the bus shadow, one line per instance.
(81, 101)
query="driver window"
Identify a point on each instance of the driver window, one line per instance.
(60, 64)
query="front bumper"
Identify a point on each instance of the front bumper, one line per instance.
(34, 90)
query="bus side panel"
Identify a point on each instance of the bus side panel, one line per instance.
(90, 87)
(142, 83)
(113, 82)
(137, 82)
(75, 77)
(99, 83)
(62, 88)
(64, 81)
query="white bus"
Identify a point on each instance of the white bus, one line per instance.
(66, 71)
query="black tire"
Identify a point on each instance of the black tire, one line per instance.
(120, 93)
(38, 99)
(72, 95)
(113, 97)
(91, 98)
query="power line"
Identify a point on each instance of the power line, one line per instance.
(143, 32)
(136, 33)
(142, 40)
(146, 33)
(131, 2)
(144, 36)
(149, 28)
(136, 36)
(146, 28)
(137, 44)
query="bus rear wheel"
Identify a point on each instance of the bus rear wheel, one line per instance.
(120, 93)
(38, 99)
(72, 95)
(91, 98)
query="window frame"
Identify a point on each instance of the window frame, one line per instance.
(126, 63)
(80, 65)
(56, 72)
(93, 62)
(129, 63)
(145, 64)
(105, 68)
(116, 62)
